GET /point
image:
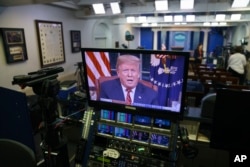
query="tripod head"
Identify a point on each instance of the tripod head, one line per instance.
(36, 79)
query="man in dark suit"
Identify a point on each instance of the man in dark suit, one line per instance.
(127, 88)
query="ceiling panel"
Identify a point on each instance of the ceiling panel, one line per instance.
(203, 9)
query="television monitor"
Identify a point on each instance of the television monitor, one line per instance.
(160, 91)
(142, 120)
(140, 136)
(124, 118)
(159, 140)
(162, 123)
(107, 115)
(104, 129)
(122, 133)
(230, 126)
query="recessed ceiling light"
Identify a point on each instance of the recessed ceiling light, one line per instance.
(168, 18)
(145, 24)
(220, 17)
(161, 5)
(214, 23)
(130, 19)
(190, 17)
(115, 7)
(178, 18)
(240, 3)
(187, 4)
(154, 24)
(235, 16)
(99, 8)
(206, 24)
(142, 19)
(222, 23)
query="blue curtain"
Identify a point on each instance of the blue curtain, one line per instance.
(147, 37)
(215, 40)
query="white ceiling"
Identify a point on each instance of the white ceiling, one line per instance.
(204, 10)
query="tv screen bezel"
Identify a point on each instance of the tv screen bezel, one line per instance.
(152, 112)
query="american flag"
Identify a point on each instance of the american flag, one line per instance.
(98, 64)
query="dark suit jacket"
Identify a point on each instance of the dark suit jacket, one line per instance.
(113, 90)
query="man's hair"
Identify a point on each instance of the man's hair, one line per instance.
(127, 59)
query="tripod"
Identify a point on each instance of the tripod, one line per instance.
(45, 84)
(54, 145)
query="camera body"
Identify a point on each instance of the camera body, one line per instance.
(36, 77)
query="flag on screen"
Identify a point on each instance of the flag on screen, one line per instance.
(98, 64)
(165, 72)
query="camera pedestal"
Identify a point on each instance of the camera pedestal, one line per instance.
(56, 156)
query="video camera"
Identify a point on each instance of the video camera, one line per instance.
(36, 77)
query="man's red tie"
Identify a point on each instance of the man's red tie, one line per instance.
(128, 98)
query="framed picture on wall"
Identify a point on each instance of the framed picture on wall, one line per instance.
(51, 42)
(14, 44)
(75, 41)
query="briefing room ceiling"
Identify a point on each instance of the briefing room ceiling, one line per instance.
(204, 11)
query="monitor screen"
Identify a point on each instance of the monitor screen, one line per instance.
(230, 124)
(105, 129)
(121, 132)
(162, 123)
(140, 136)
(142, 120)
(107, 115)
(124, 118)
(160, 140)
(143, 82)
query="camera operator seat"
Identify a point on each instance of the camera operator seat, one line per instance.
(16, 154)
